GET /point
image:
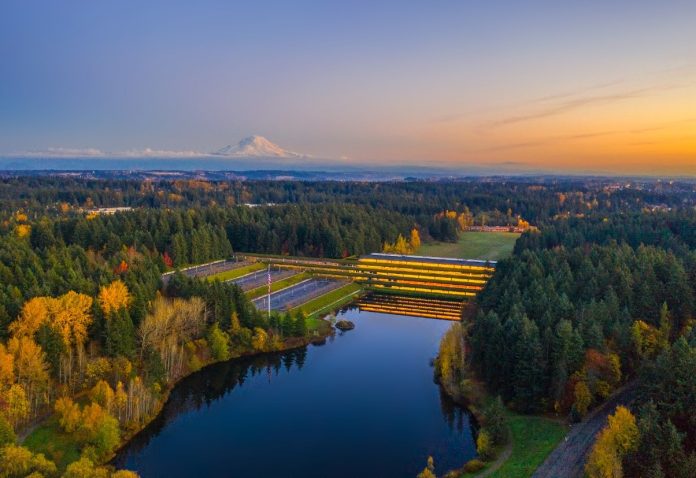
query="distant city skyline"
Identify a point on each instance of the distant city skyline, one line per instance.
(515, 86)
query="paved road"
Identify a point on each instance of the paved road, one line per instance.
(259, 278)
(298, 294)
(568, 459)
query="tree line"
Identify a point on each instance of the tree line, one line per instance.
(586, 305)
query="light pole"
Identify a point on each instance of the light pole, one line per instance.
(269, 290)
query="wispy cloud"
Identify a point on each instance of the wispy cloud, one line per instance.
(548, 141)
(663, 126)
(570, 94)
(580, 102)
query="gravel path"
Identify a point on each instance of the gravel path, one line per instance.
(568, 459)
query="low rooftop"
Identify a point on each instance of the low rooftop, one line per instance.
(428, 259)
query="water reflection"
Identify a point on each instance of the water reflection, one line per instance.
(366, 401)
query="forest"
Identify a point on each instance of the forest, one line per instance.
(91, 340)
(586, 306)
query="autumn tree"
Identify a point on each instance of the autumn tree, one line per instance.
(103, 394)
(583, 398)
(69, 415)
(170, 325)
(69, 316)
(7, 434)
(98, 428)
(415, 240)
(218, 342)
(615, 441)
(18, 462)
(31, 370)
(17, 408)
(429, 470)
(114, 297)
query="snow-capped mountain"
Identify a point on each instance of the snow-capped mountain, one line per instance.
(256, 147)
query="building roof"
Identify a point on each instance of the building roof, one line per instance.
(429, 259)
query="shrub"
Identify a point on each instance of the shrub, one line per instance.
(472, 466)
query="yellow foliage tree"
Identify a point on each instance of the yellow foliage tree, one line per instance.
(429, 470)
(114, 297)
(260, 339)
(647, 340)
(583, 398)
(415, 240)
(6, 368)
(17, 405)
(484, 444)
(22, 230)
(31, 370)
(68, 414)
(102, 394)
(18, 461)
(35, 312)
(69, 315)
(120, 400)
(617, 439)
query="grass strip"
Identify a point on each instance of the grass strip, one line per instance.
(276, 286)
(236, 273)
(332, 299)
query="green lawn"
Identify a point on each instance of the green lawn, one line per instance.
(235, 273)
(533, 438)
(52, 442)
(281, 284)
(473, 245)
(333, 299)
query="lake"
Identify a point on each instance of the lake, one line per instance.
(363, 404)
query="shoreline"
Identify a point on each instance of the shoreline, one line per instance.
(290, 344)
(324, 332)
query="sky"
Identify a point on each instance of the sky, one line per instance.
(592, 86)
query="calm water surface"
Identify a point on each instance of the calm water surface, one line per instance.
(363, 404)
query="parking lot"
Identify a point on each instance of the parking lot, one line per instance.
(298, 294)
(259, 278)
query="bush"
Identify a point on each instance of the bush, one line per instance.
(472, 466)
(219, 343)
(484, 444)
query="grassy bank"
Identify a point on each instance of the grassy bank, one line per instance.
(236, 273)
(276, 286)
(532, 438)
(473, 245)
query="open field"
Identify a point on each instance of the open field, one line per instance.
(56, 445)
(532, 439)
(235, 273)
(491, 246)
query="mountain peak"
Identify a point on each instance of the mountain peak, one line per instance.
(256, 146)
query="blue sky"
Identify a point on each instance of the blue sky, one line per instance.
(449, 82)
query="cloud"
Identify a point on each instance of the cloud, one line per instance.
(98, 153)
(62, 153)
(160, 153)
(577, 103)
(548, 141)
(663, 126)
(570, 94)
